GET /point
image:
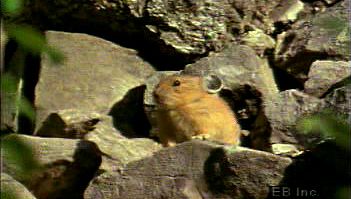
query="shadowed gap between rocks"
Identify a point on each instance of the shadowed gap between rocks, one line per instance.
(64, 179)
(246, 103)
(128, 114)
(28, 70)
(301, 62)
(283, 79)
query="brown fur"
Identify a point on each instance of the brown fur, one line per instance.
(188, 111)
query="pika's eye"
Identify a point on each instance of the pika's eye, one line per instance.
(176, 83)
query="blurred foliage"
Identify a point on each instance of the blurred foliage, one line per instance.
(329, 125)
(333, 126)
(11, 7)
(32, 41)
(7, 194)
(29, 41)
(19, 154)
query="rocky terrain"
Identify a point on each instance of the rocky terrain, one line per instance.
(95, 134)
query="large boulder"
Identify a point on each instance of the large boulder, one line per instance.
(95, 76)
(193, 169)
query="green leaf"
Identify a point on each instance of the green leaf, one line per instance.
(11, 6)
(7, 194)
(26, 108)
(329, 125)
(19, 154)
(8, 83)
(27, 37)
(34, 42)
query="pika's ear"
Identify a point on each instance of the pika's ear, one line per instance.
(212, 83)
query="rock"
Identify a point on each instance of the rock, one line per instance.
(182, 172)
(258, 40)
(125, 151)
(339, 101)
(283, 113)
(287, 11)
(236, 66)
(320, 36)
(285, 149)
(169, 173)
(244, 173)
(187, 28)
(67, 166)
(264, 14)
(192, 27)
(10, 188)
(77, 124)
(95, 76)
(324, 74)
(117, 151)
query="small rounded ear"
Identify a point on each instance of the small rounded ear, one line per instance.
(212, 83)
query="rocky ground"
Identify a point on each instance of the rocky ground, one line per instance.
(94, 133)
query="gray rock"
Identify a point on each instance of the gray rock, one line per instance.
(78, 124)
(10, 188)
(244, 173)
(320, 36)
(192, 27)
(181, 172)
(339, 101)
(125, 151)
(237, 65)
(263, 14)
(95, 76)
(117, 151)
(324, 74)
(258, 40)
(67, 166)
(283, 113)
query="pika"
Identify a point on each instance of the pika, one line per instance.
(186, 110)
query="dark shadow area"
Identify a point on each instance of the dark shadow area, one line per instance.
(246, 102)
(64, 179)
(285, 81)
(215, 172)
(129, 116)
(30, 79)
(23, 65)
(319, 173)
